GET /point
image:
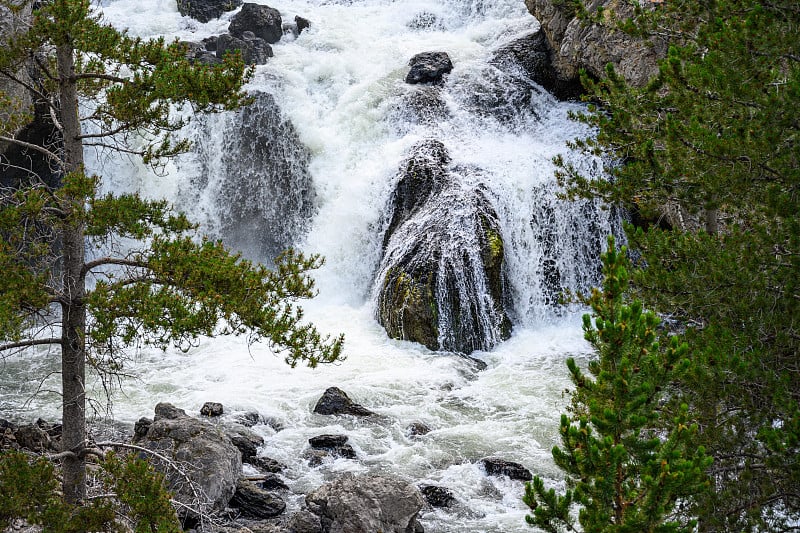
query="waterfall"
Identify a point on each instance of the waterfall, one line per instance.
(315, 163)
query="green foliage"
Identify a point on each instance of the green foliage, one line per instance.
(715, 135)
(133, 495)
(629, 459)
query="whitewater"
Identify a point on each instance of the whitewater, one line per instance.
(340, 86)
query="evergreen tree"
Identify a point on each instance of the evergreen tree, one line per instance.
(629, 459)
(173, 288)
(716, 134)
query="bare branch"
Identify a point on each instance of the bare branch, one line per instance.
(50, 155)
(112, 261)
(27, 86)
(28, 343)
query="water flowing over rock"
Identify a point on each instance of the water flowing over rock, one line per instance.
(441, 281)
(254, 173)
(205, 10)
(366, 504)
(574, 45)
(335, 401)
(263, 21)
(211, 465)
(429, 67)
(501, 467)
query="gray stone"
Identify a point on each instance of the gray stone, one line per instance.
(205, 10)
(336, 402)
(501, 467)
(304, 522)
(255, 502)
(367, 504)
(263, 21)
(255, 51)
(32, 437)
(437, 496)
(429, 67)
(246, 440)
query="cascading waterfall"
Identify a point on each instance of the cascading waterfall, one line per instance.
(318, 170)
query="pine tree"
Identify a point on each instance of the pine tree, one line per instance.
(628, 458)
(175, 286)
(715, 134)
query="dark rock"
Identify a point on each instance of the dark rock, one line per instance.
(210, 43)
(421, 104)
(211, 409)
(214, 463)
(327, 441)
(5, 424)
(263, 21)
(301, 24)
(52, 430)
(500, 467)
(442, 277)
(245, 440)
(205, 10)
(255, 51)
(33, 438)
(273, 482)
(429, 67)
(367, 504)
(417, 429)
(437, 496)
(265, 464)
(141, 427)
(249, 419)
(255, 502)
(531, 54)
(332, 445)
(335, 401)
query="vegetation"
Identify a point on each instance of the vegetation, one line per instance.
(630, 458)
(715, 137)
(147, 277)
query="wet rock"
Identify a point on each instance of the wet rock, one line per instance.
(210, 459)
(263, 21)
(211, 409)
(441, 281)
(245, 440)
(437, 496)
(335, 401)
(273, 482)
(421, 104)
(205, 10)
(255, 51)
(429, 67)
(366, 504)
(266, 464)
(501, 467)
(425, 21)
(255, 502)
(333, 445)
(417, 429)
(301, 24)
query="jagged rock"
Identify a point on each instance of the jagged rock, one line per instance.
(273, 482)
(574, 45)
(429, 67)
(441, 280)
(255, 502)
(335, 401)
(367, 504)
(245, 440)
(304, 522)
(301, 24)
(417, 429)
(266, 464)
(263, 21)
(437, 496)
(254, 50)
(212, 409)
(205, 10)
(531, 53)
(141, 427)
(501, 467)
(209, 458)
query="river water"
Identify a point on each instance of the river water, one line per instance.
(341, 131)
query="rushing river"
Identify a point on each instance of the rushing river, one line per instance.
(341, 133)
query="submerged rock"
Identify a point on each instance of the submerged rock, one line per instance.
(330, 445)
(441, 281)
(437, 496)
(367, 504)
(501, 467)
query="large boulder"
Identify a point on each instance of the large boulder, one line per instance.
(429, 67)
(205, 10)
(500, 467)
(367, 504)
(263, 21)
(255, 51)
(255, 502)
(210, 465)
(441, 281)
(575, 44)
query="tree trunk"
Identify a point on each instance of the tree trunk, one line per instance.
(73, 333)
(711, 221)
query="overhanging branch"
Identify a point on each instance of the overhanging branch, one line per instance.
(29, 343)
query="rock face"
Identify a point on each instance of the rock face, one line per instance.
(367, 504)
(208, 457)
(335, 401)
(575, 45)
(441, 282)
(263, 21)
(429, 67)
(205, 10)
